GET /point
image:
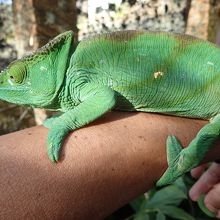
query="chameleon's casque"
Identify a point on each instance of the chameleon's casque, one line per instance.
(132, 71)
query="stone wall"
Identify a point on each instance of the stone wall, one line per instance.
(7, 47)
(203, 21)
(155, 15)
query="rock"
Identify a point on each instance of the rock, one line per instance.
(140, 14)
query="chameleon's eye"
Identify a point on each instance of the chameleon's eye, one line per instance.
(17, 73)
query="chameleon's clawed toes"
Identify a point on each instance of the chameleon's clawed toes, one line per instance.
(56, 154)
(173, 149)
(54, 151)
(51, 154)
(175, 170)
(178, 162)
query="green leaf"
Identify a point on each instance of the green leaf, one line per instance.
(181, 185)
(141, 216)
(151, 192)
(170, 195)
(176, 213)
(160, 216)
(188, 180)
(138, 203)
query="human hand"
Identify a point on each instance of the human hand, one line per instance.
(208, 184)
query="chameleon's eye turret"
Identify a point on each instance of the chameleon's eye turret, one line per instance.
(17, 73)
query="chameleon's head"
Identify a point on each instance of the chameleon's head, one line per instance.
(36, 79)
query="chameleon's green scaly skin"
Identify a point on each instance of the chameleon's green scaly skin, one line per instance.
(133, 71)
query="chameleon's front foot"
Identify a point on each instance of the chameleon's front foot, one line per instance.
(54, 143)
(179, 162)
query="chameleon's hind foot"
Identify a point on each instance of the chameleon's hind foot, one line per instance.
(174, 148)
(181, 161)
(178, 162)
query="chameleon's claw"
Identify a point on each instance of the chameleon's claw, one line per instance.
(174, 171)
(178, 162)
(51, 154)
(174, 148)
(54, 152)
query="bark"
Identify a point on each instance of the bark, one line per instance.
(203, 20)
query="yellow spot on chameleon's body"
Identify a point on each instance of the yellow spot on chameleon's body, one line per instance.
(43, 68)
(158, 74)
(210, 63)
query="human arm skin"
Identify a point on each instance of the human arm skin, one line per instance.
(103, 166)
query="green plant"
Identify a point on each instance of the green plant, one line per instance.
(162, 203)
(166, 203)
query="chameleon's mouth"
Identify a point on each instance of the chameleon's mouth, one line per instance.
(13, 88)
(14, 96)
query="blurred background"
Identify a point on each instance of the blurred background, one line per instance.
(26, 25)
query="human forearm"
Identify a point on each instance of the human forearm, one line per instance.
(104, 166)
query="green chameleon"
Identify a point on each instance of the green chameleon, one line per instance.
(159, 72)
